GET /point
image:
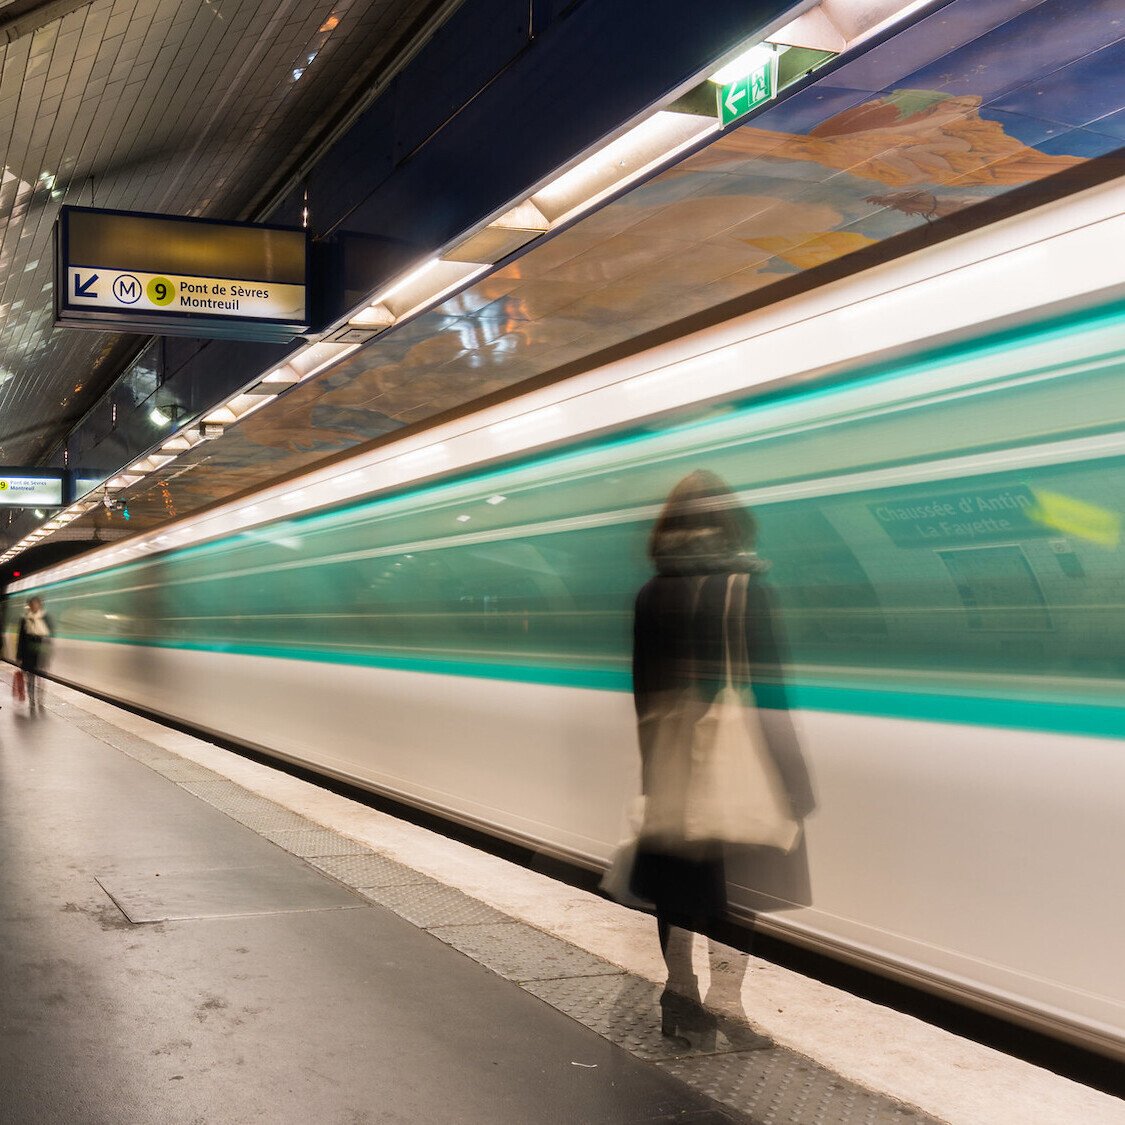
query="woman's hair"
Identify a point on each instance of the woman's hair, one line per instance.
(703, 502)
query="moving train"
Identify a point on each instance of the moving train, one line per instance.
(934, 450)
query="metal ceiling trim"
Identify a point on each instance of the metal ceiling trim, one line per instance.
(25, 17)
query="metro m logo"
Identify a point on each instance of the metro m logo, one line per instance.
(127, 289)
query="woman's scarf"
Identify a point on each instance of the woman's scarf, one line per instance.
(702, 551)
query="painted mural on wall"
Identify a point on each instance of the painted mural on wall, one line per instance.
(950, 113)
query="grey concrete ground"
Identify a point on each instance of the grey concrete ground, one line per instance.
(251, 986)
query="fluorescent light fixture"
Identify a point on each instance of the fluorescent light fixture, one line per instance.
(427, 285)
(413, 278)
(374, 316)
(150, 463)
(314, 359)
(276, 381)
(283, 376)
(837, 25)
(244, 404)
(897, 13)
(641, 150)
(123, 480)
(503, 236)
(746, 63)
(524, 216)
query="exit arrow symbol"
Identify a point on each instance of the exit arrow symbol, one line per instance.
(737, 92)
(82, 288)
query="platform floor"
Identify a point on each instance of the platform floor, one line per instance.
(188, 936)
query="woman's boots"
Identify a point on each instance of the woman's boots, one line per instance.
(728, 971)
(683, 1018)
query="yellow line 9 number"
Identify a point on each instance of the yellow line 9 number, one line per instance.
(160, 291)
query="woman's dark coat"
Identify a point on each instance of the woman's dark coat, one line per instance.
(31, 650)
(678, 648)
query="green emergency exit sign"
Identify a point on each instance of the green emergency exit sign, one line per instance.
(741, 96)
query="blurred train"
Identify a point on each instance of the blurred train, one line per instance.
(935, 452)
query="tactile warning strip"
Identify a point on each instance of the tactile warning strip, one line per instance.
(433, 904)
(133, 745)
(259, 813)
(220, 792)
(181, 769)
(370, 870)
(276, 819)
(522, 953)
(626, 1011)
(310, 842)
(780, 1087)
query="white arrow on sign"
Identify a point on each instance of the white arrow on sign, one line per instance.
(737, 93)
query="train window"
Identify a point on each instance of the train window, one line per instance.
(998, 588)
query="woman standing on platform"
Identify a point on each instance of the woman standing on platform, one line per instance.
(700, 624)
(33, 649)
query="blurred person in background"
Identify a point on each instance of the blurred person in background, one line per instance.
(33, 650)
(687, 625)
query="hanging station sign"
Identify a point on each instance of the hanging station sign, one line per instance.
(31, 488)
(171, 276)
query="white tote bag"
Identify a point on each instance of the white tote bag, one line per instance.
(716, 780)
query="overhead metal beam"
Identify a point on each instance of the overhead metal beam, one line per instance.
(21, 18)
